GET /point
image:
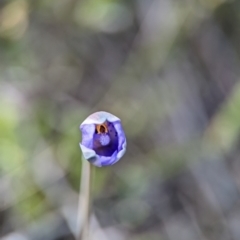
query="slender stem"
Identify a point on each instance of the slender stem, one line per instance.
(84, 201)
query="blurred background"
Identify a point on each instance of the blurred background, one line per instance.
(169, 69)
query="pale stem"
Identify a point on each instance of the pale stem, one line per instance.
(83, 216)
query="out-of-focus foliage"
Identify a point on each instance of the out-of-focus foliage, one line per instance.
(169, 69)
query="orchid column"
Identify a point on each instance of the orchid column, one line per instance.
(103, 144)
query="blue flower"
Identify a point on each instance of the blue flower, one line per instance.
(103, 139)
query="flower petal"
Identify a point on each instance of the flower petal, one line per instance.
(87, 134)
(99, 118)
(88, 153)
(97, 160)
(122, 152)
(102, 161)
(121, 135)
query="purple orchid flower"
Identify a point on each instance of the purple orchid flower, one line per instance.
(103, 139)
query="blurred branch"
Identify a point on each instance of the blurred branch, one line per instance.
(223, 131)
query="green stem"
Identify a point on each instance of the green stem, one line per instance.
(84, 201)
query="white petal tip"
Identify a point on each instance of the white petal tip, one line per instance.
(87, 152)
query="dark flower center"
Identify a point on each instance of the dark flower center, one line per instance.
(105, 139)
